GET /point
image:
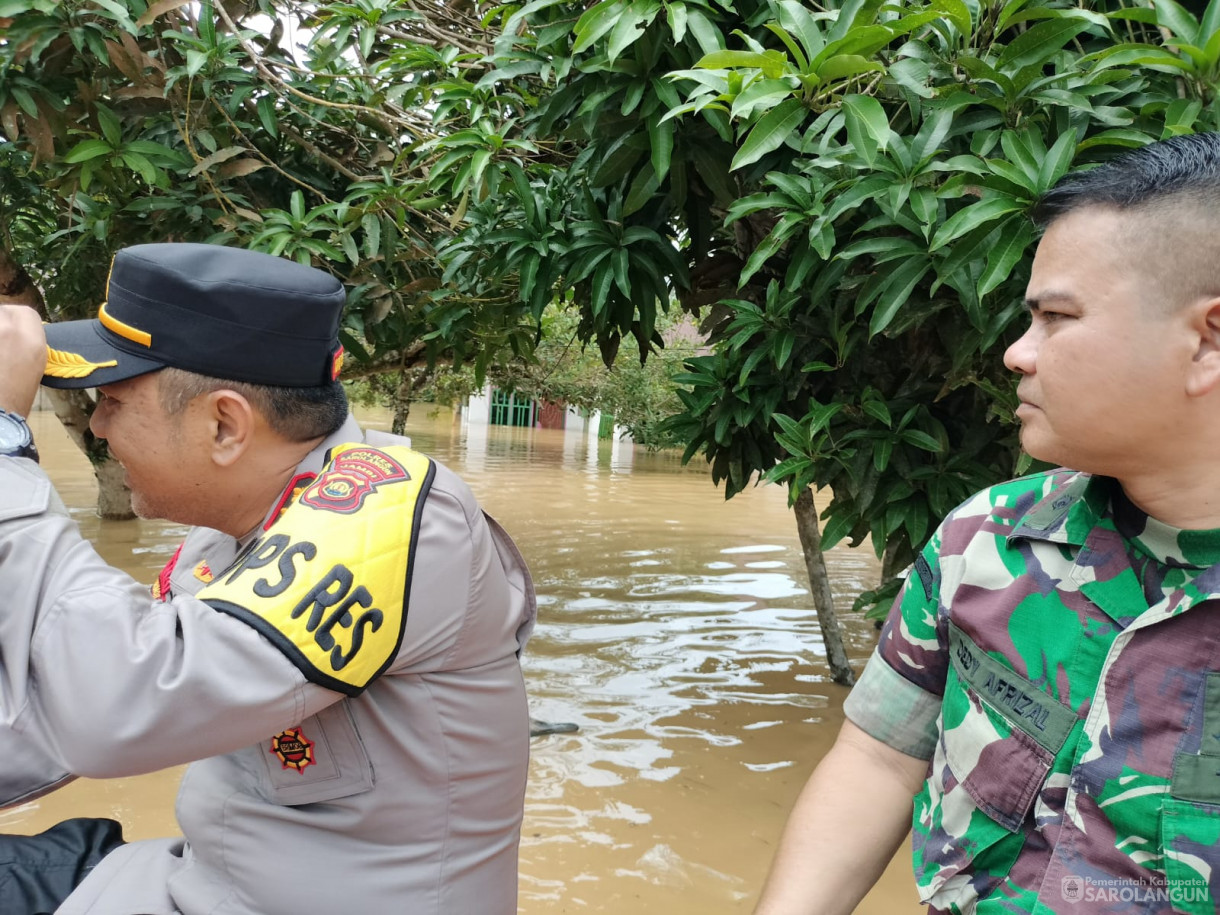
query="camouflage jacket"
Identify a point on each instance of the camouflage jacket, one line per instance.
(1072, 724)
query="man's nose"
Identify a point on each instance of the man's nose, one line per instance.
(1022, 355)
(97, 420)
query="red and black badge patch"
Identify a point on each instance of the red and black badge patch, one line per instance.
(293, 749)
(351, 477)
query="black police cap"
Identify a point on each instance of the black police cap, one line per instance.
(224, 312)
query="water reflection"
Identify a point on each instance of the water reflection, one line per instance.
(675, 628)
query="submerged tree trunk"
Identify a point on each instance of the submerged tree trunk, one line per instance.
(819, 583)
(113, 497)
(72, 407)
(893, 560)
(402, 402)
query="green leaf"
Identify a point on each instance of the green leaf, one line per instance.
(1016, 235)
(112, 128)
(621, 263)
(724, 60)
(349, 248)
(921, 440)
(838, 527)
(1040, 42)
(878, 410)
(771, 132)
(706, 35)
(620, 159)
(1148, 56)
(845, 66)
(661, 140)
(782, 347)
(971, 217)
(762, 93)
(642, 189)
(799, 58)
(596, 21)
(881, 454)
(895, 292)
(1058, 160)
(141, 166)
(27, 103)
(1127, 139)
(86, 150)
(957, 12)
(372, 235)
(799, 22)
(1171, 16)
(1210, 22)
(1181, 114)
(677, 21)
(195, 61)
(637, 16)
(868, 128)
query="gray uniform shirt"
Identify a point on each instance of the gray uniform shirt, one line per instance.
(412, 797)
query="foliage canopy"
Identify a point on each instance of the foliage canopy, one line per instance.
(839, 192)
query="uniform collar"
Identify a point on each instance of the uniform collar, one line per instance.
(1069, 511)
(309, 467)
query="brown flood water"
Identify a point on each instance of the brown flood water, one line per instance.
(674, 628)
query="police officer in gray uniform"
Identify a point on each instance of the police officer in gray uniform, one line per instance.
(334, 648)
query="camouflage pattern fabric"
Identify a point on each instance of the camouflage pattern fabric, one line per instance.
(1069, 649)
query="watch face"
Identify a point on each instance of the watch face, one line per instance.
(13, 434)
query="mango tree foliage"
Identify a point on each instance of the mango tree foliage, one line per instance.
(841, 191)
(300, 129)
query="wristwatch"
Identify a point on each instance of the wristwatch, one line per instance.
(15, 437)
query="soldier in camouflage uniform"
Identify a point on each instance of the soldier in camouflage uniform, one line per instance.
(1043, 708)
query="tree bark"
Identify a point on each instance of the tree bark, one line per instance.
(893, 561)
(402, 403)
(72, 407)
(819, 583)
(16, 287)
(113, 496)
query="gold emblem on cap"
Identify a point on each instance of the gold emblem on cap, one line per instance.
(70, 365)
(126, 331)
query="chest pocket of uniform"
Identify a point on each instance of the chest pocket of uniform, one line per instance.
(1001, 733)
(986, 774)
(321, 759)
(1190, 816)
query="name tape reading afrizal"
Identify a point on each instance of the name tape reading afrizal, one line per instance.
(328, 582)
(1018, 701)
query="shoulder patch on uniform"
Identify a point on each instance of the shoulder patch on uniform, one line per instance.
(924, 571)
(328, 582)
(351, 478)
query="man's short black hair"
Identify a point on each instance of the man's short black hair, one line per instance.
(296, 414)
(1185, 165)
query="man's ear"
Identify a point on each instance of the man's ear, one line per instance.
(1204, 377)
(231, 426)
